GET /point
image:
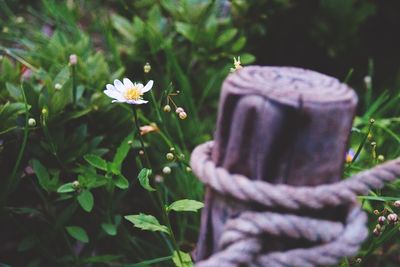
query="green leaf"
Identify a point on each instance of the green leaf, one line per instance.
(96, 161)
(186, 30)
(101, 259)
(186, 205)
(41, 173)
(121, 182)
(144, 179)
(226, 37)
(109, 228)
(247, 58)
(14, 91)
(146, 222)
(185, 257)
(78, 233)
(66, 188)
(85, 199)
(122, 152)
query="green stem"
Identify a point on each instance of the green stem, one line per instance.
(24, 140)
(73, 77)
(168, 222)
(140, 136)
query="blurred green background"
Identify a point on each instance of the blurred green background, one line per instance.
(46, 220)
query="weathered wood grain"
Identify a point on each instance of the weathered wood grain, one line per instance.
(281, 125)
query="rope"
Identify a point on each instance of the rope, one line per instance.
(241, 241)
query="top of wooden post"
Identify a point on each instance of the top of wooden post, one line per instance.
(287, 85)
(284, 125)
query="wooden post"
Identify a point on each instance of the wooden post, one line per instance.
(281, 125)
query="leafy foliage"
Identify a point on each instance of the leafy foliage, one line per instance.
(70, 178)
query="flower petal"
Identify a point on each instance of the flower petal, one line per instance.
(118, 101)
(137, 102)
(119, 85)
(111, 87)
(128, 83)
(114, 94)
(148, 87)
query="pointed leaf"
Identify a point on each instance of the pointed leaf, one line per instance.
(85, 199)
(226, 36)
(109, 228)
(66, 188)
(122, 152)
(144, 179)
(78, 233)
(146, 222)
(186, 205)
(41, 173)
(121, 182)
(185, 257)
(96, 161)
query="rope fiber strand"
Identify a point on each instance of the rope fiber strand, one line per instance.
(241, 241)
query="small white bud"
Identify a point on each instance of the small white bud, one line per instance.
(32, 122)
(166, 170)
(397, 204)
(167, 108)
(169, 156)
(182, 115)
(58, 86)
(75, 184)
(179, 110)
(367, 80)
(392, 218)
(147, 67)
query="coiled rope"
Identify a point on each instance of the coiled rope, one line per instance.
(241, 241)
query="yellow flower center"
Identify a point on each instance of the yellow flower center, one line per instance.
(133, 93)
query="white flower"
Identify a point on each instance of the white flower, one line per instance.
(128, 92)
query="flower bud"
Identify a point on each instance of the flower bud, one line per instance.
(44, 111)
(32, 122)
(179, 110)
(381, 157)
(167, 108)
(392, 218)
(397, 204)
(188, 169)
(381, 220)
(147, 67)
(182, 115)
(169, 156)
(57, 86)
(372, 121)
(141, 152)
(73, 59)
(130, 142)
(376, 232)
(358, 260)
(367, 80)
(159, 179)
(166, 170)
(75, 184)
(19, 19)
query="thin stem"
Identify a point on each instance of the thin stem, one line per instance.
(140, 136)
(24, 140)
(73, 74)
(168, 222)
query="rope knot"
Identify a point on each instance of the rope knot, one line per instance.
(241, 242)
